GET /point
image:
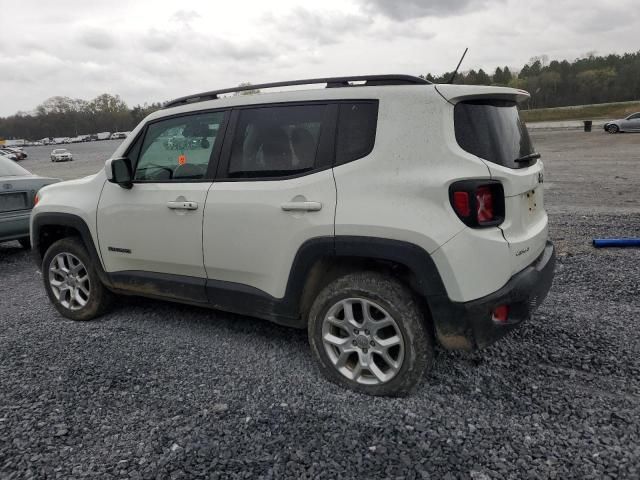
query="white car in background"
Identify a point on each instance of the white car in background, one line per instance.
(61, 155)
(9, 155)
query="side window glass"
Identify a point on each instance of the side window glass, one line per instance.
(357, 124)
(178, 149)
(276, 141)
(134, 149)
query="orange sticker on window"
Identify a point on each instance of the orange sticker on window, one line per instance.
(182, 159)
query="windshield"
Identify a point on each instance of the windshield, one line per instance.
(8, 168)
(60, 150)
(493, 131)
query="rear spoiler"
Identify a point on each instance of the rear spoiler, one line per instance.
(456, 93)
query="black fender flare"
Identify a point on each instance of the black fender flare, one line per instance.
(68, 220)
(244, 299)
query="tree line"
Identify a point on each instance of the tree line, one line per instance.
(588, 80)
(69, 117)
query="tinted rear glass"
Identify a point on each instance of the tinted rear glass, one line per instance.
(276, 141)
(493, 131)
(356, 130)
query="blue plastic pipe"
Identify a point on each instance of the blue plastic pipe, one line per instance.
(616, 242)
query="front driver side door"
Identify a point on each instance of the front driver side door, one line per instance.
(633, 123)
(150, 236)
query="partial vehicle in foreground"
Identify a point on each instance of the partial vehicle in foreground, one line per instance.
(628, 124)
(61, 155)
(18, 190)
(382, 215)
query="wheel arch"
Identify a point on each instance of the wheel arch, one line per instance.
(49, 227)
(403, 260)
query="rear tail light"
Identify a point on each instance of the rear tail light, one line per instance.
(500, 314)
(36, 199)
(478, 203)
(461, 203)
(484, 202)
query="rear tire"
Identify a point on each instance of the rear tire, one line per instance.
(367, 333)
(72, 282)
(613, 129)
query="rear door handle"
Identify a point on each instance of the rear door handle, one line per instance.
(183, 205)
(301, 206)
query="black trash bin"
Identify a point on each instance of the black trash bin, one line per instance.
(587, 125)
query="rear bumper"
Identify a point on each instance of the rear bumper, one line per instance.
(470, 326)
(14, 225)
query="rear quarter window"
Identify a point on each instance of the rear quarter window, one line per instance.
(357, 122)
(493, 131)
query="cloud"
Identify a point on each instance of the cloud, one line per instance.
(606, 18)
(185, 16)
(411, 9)
(158, 49)
(156, 41)
(97, 38)
(325, 27)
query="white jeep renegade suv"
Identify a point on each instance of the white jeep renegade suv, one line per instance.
(381, 213)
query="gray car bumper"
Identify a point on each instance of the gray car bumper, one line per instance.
(14, 225)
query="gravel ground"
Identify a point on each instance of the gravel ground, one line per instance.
(159, 390)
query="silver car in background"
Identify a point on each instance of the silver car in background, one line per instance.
(18, 189)
(629, 124)
(61, 155)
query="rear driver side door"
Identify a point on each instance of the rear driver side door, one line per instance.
(274, 191)
(150, 236)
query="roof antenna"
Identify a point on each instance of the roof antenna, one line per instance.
(455, 72)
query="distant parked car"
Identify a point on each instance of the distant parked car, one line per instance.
(18, 189)
(118, 135)
(18, 152)
(9, 155)
(629, 124)
(61, 155)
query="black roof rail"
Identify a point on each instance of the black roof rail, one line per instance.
(332, 82)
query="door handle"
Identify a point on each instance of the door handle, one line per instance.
(183, 205)
(301, 206)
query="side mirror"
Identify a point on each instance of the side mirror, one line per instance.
(121, 172)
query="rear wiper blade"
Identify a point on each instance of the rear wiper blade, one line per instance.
(526, 158)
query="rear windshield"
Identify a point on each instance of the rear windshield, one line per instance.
(10, 169)
(493, 131)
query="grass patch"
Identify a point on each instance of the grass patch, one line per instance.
(607, 111)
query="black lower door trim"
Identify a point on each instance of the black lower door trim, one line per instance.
(160, 285)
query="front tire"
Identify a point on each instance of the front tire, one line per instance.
(72, 282)
(368, 334)
(613, 129)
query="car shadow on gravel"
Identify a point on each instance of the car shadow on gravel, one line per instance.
(192, 317)
(12, 250)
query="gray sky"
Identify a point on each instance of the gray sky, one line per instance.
(153, 50)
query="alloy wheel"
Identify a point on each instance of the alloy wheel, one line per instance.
(69, 281)
(363, 341)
